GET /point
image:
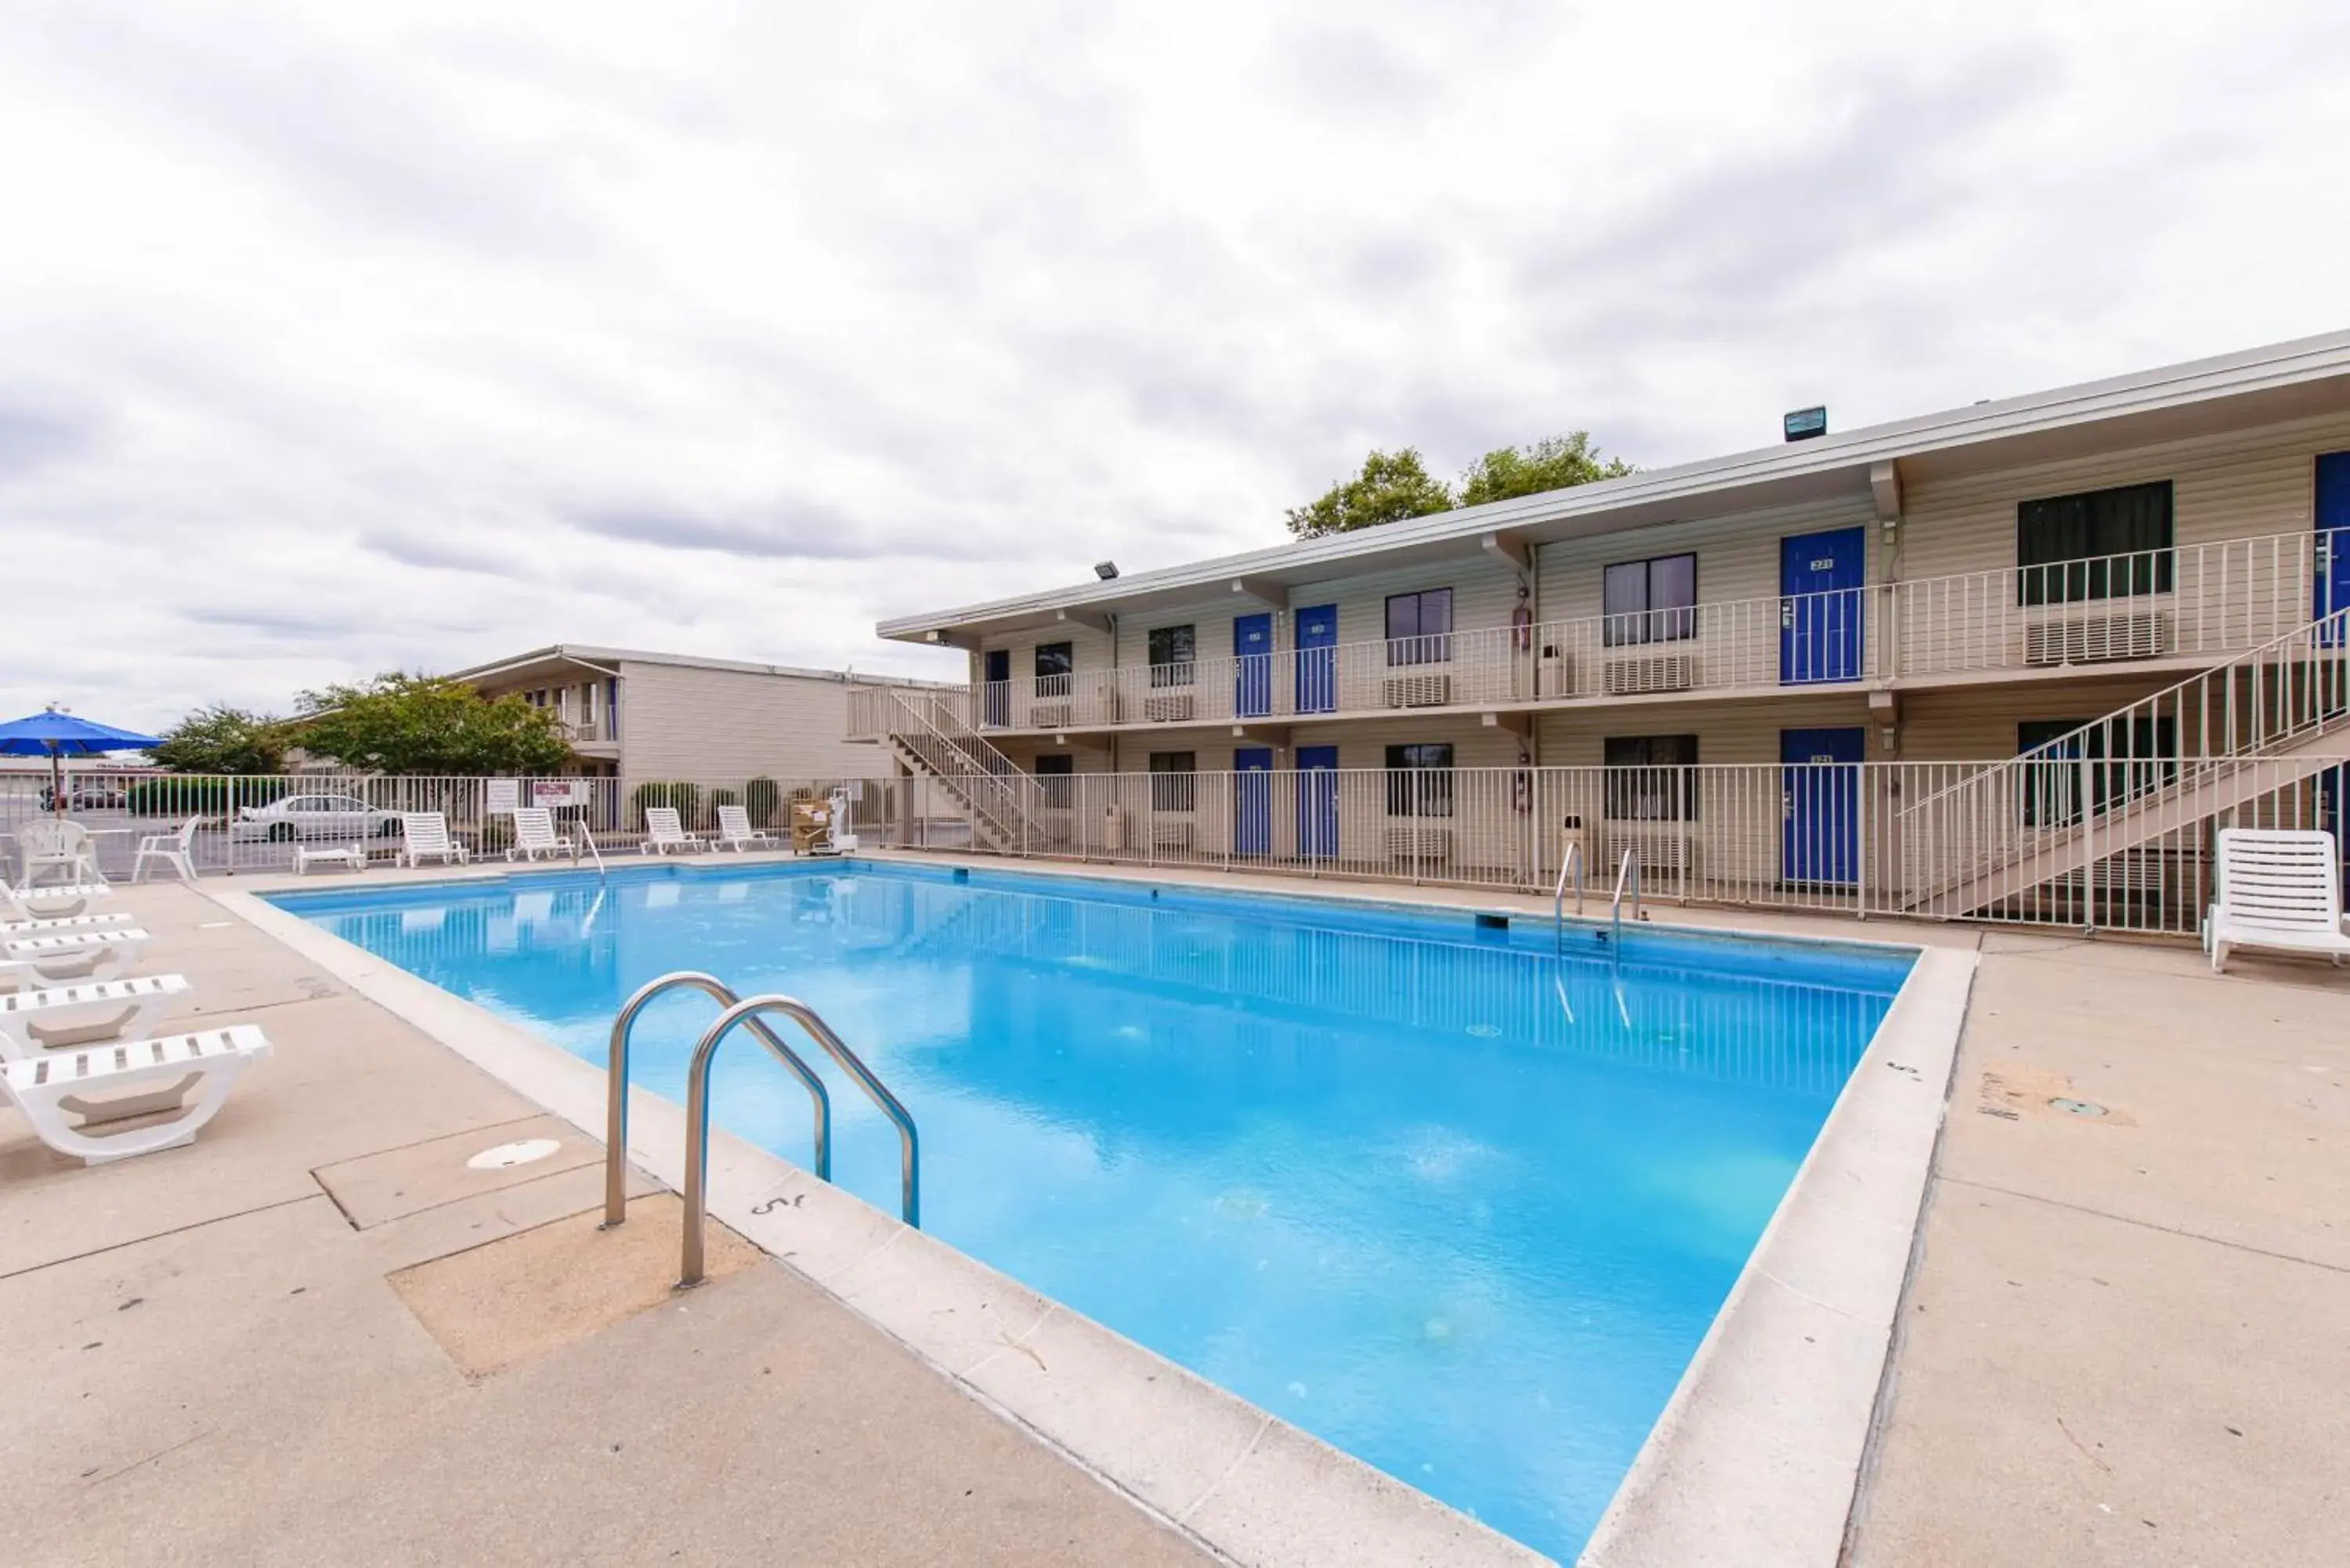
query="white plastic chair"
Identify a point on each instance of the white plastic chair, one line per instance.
(2277, 888)
(48, 1088)
(49, 844)
(53, 956)
(664, 832)
(735, 832)
(176, 850)
(535, 834)
(426, 833)
(52, 901)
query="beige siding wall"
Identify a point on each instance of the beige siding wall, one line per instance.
(1736, 557)
(1973, 723)
(2235, 486)
(1091, 650)
(680, 722)
(1726, 731)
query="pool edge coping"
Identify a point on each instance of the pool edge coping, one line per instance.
(1754, 1460)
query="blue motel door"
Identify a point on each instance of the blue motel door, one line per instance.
(1823, 583)
(2331, 579)
(1317, 803)
(1252, 800)
(1820, 805)
(1318, 660)
(1252, 665)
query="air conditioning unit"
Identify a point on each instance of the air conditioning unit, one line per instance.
(1664, 851)
(1049, 715)
(1413, 844)
(1655, 672)
(2095, 639)
(1557, 677)
(1175, 708)
(1171, 836)
(1418, 690)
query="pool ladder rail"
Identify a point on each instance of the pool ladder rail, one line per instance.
(581, 837)
(739, 1013)
(1627, 874)
(1570, 865)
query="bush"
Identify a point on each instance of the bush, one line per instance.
(200, 794)
(762, 799)
(722, 795)
(685, 796)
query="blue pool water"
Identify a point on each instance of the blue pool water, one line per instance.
(1461, 1205)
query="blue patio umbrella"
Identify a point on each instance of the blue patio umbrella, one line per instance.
(59, 735)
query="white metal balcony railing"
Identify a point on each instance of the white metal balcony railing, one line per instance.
(2189, 601)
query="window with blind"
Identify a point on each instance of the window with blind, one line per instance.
(2119, 761)
(1650, 601)
(2098, 545)
(1420, 626)
(1419, 780)
(1174, 650)
(1173, 784)
(1650, 778)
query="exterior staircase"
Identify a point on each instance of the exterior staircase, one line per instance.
(932, 739)
(2249, 737)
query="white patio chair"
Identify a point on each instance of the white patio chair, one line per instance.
(176, 849)
(50, 1088)
(535, 834)
(664, 832)
(34, 1022)
(2279, 889)
(54, 925)
(735, 832)
(51, 845)
(426, 833)
(351, 854)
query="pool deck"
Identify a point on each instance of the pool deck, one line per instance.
(318, 1335)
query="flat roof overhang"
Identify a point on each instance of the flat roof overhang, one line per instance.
(2236, 393)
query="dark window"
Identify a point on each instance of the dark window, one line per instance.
(1650, 601)
(2100, 545)
(1420, 626)
(1173, 650)
(1419, 780)
(1059, 783)
(1651, 778)
(1172, 785)
(2124, 759)
(1054, 662)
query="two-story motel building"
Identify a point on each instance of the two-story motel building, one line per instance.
(1954, 589)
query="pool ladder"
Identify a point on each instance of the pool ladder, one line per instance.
(581, 837)
(749, 1012)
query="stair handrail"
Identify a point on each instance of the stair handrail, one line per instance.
(2330, 633)
(1016, 790)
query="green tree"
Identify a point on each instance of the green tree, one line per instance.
(1391, 487)
(427, 724)
(219, 739)
(1551, 465)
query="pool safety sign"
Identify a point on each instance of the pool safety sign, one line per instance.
(559, 792)
(505, 795)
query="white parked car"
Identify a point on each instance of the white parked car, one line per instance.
(313, 816)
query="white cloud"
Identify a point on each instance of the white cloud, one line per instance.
(338, 338)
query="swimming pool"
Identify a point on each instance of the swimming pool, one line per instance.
(1453, 1200)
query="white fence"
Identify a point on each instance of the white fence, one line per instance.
(2001, 841)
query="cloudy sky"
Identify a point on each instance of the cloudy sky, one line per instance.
(336, 339)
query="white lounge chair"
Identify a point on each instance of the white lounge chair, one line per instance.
(351, 854)
(426, 833)
(51, 845)
(535, 834)
(69, 955)
(2277, 888)
(735, 832)
(664, 832)
(52, 902)
(176, 849)
(34, 1022)
(48, 1087)
(53, 925)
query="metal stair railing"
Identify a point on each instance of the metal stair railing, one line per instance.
(2108, 779)
(956, 753)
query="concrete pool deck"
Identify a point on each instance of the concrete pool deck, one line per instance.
(413, 1339)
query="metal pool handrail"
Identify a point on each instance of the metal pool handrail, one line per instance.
(581, 836)
(616, 1084)
(1629, 872)
(697, 1116)
(1572, 861)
